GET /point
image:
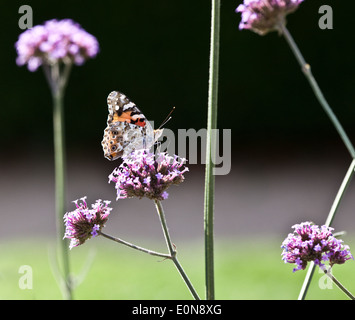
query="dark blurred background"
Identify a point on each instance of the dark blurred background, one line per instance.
(288, 160)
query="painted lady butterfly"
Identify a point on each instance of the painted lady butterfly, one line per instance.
(127, 128)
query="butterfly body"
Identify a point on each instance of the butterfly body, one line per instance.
(127, 128)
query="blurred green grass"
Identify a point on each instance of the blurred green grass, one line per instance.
(243, 270)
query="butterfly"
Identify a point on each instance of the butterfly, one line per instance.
(127, 128)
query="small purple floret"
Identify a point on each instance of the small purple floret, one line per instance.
(311, 243)
(55, 41)
(263, 16)
(142, 174)
(84, 223)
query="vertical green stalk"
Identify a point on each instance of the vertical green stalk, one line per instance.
(172, 251)
(323, 102)
(211, 149)
(59, 170)
(57, 82)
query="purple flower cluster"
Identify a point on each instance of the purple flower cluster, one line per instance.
(311, 243)
(84, 223)
(142, 174)
(263, 16)
(62, 40)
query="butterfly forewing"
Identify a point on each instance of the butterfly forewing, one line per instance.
(127, 128)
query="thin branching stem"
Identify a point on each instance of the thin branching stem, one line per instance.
(172, 250)
(337, 282)
(133, 246)
(306, 68)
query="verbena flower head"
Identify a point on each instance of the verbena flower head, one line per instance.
(143, 174)
(84, 223)
(55, 41)
(263, 16)
(311, 243)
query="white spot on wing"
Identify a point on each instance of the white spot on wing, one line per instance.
(136, 116)
(122, 97)
(129, 105)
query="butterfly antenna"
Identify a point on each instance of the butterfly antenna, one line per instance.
(167, 119)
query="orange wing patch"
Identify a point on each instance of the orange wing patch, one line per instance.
(126, 117)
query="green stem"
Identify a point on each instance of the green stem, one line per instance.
(133, 246)
(306, 68)
(59, 169)
(169, 244)
(211, 149)
(57, 83)
(339, 285)
(344, 185)
(307, 281)
(330, 218)
(172, 250)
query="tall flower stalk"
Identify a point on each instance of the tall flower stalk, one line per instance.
(262, 17)
(58, 82)
(56, 46)
(211, 149)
